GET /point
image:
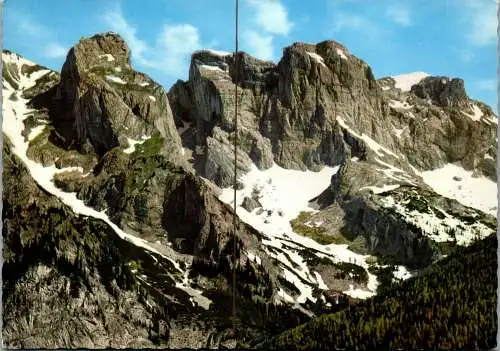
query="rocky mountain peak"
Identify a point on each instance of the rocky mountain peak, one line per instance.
(103, 103)
(442, 91)
(320, 105)
(96, 51)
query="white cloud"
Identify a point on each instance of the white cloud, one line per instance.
(486, 84)
(172, 50)
(176, 43)
(260, 46)
(271, 16)
(483, 21)
(54, 50)
(399, 14)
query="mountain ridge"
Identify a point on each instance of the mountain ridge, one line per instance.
(159, 176)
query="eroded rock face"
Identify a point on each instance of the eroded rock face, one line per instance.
(320, 105)
(287, 111)
(442, 91)
(102, 101)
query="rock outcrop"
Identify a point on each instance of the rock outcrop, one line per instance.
(321, 105)
(102, 103)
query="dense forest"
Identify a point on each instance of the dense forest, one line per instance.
(451, 305)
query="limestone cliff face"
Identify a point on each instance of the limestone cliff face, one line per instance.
(103, 101)
(320, 105)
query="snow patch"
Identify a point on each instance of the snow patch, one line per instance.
(212, 68)
(118, 69)
(36, 132)
(341, 53)
(404, 82)
(316, 57)
(382, 189)
(400, 104)
(321, 283)
(196, 295)
(476, 113)
(108, 57)
(199, 150)
(143, 84)
(476, 192)
(305, 290)
(152, 98)
(115, 79)
(372, 144)
(284, 194)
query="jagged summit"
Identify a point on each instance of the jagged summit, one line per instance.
(92, 51)
(110, 103)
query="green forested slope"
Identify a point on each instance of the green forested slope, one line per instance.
(450, 305)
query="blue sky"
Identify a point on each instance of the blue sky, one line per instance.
(441, 37)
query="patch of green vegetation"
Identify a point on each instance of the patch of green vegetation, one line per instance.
(135, 265)
(289, 286)
(312, 260)
(418, 204)
(444, 247)
(351, 271)
(318, 234)
(150, 147)
(358, 245)
(448, 306)
(371, 260)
